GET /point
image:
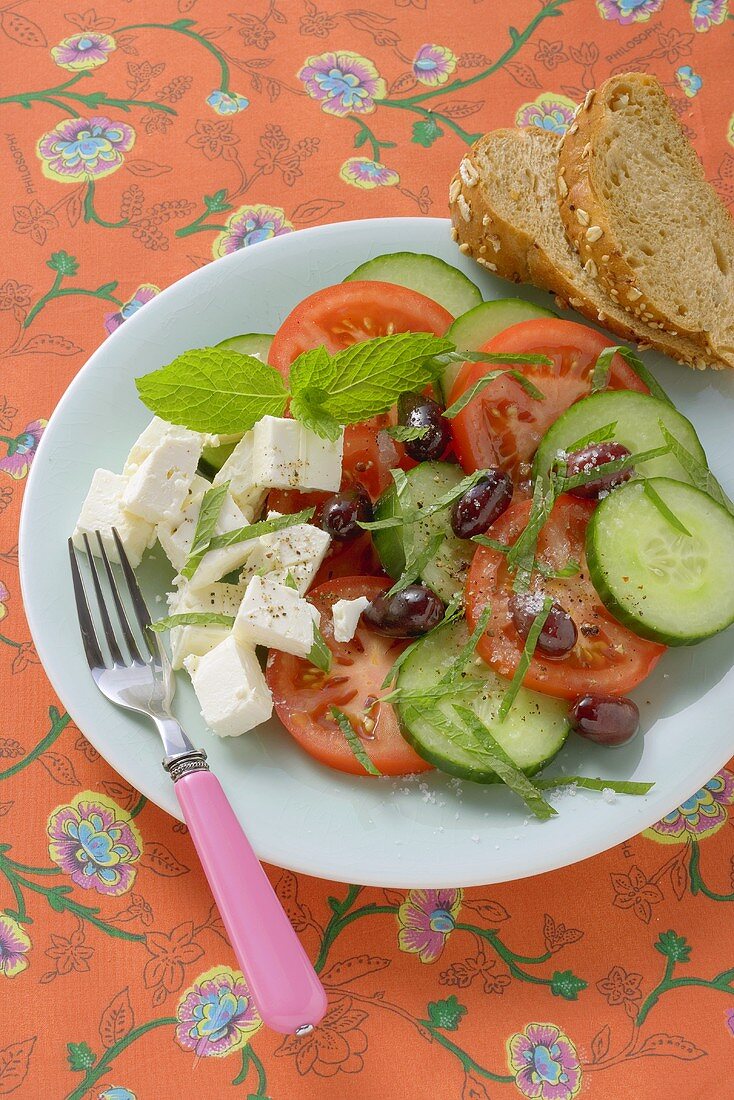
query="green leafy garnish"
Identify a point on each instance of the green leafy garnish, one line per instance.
(482, 383)
(415, 563)
(214, 390)
(503, 765)
(525, 658)
(521, 555)
(405, 434)
(454, 610)
(600, 375)
(699, 473)
(192, 618)
(599, 435)
(211, 506)
(290, 580)
(614, 466)
(450, 683)
(262, 527)
(353, 741)
(653, 495)
(619, 786)
(320, 654)
(462, 659)
(570, 569)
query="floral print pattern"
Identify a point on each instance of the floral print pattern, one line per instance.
(426, 919)
(96, 843)
(701, 815)
(545, 1063)
(183, 134)
(216, 1016)
(343, 82)
(84, 148)
(549, 112)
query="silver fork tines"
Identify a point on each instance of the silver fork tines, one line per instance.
(140, 679)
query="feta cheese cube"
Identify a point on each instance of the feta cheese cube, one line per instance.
(147, 441)
(176, 538)
(221, 599)
(287, 455)
(238, 471)
(273, 615)
(298, 551)
(231, 688)
(346, 615)
(102, 510)
(161, 484)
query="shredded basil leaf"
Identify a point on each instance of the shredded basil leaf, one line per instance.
(405, 434)
(206, 523)
(600, 375)
(525, 658)
(454, 610)
(653, 495)
(192, 618)
(263, 527)
(600, 435)
(353, 741)
(320, 654)
(619, 786)
(697, 471)
(482, 383)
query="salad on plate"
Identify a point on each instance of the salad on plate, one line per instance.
(425, 530)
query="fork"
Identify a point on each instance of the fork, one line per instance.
(288, 994)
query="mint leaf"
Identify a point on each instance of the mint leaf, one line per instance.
(699, 473)
(619, 786)
(404, 434)
(192, 618)
(263, 527)
(463, 658)
(569, 570)
(290, 581)
(525, 658)
(320, 654)
(353, 741)
(482, 383)
(614, 466)
(521, 555)
(211, 506)
(307, 407)
(311, 368)
(599, 435)
(454, 610)
(602, 370)
(503, 765)
(415, 563)
(653, 495)
(364, 379)
(214, 390)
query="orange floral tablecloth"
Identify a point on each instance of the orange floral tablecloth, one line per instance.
(139, 141)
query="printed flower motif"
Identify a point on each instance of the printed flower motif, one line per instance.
(621, 988)
(87, 50)
(317, 23)
(365, 173)
(426, 919)
(433, 65)
(250, 225)
(335, 1046)
(701, 815)
(227, 103)
(628, 11)
(672, 45)
(344, 82)
(633, 891)
(169, 955)
(689, 81)
(21, 449)
(15, 296)
(70, 954)
(545, 1063)
(4, 595)
(84, 148)
(708, 13)
(117, 1092)
(462, 974)
(729, 1016)
(548, 111)
(6, 495)
(35, 220)
(216, 1016)
(145, 293)
(14, 945)
(550, 54)
(215, 139)
(96, 842)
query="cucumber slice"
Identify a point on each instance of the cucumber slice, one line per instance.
(250, 343)
(446, 572)
(473, 329)
(531, 734)
(426, 274)
(213, 458)
(636, 416)
(663, 584)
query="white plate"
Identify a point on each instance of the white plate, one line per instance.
(298, 814)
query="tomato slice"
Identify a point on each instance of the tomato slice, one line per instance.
(303, 695)
(503, 425)
(349, 312)
(607, 657)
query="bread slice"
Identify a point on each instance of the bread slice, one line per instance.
(505, 214)
(634, 199)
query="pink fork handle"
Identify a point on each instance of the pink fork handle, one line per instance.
(284, 984)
